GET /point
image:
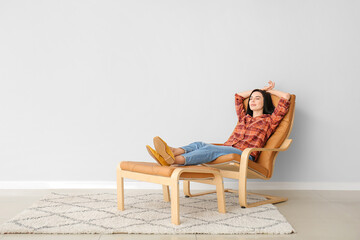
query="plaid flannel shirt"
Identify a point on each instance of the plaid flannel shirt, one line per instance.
(252, 132)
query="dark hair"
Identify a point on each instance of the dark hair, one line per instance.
(268, 104)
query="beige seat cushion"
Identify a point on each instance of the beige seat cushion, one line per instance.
(165, 171)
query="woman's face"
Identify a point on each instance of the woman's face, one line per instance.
(256, 101)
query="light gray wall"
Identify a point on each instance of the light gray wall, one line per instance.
(86, 84)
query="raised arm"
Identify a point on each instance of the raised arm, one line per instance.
(278, 93)
(245, 94)
(239, 103)
(281, 109)
(239, 106)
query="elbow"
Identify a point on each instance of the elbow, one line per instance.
(287, 96)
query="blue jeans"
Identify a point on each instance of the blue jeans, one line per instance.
(200, 152)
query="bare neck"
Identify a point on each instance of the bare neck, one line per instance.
(257, 113)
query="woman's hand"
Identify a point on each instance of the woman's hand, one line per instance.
(271, 86)
(278, 93)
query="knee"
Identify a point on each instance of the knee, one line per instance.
(210, 146)
(199, 144)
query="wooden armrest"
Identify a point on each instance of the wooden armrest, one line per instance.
(283, 147)
(246, 153)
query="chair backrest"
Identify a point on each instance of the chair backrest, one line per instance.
(282, 132)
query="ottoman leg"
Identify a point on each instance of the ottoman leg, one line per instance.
(175, 218)
(220, 193)
(120, 190)
(166, 193)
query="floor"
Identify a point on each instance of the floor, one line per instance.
(313, 214)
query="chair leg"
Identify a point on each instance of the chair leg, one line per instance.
(175, 218)
(270, 199)
(120, 190)
(187, 192)
(243, 193)
(166, 193)
(220, 193)
(186, 186)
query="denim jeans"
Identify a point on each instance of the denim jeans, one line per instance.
(200, 152)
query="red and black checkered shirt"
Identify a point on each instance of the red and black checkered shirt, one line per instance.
(252, 132)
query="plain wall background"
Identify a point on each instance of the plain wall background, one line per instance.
(87, 84)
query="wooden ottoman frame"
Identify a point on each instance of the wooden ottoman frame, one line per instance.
(168, 176)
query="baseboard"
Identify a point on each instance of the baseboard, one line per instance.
(132, 184)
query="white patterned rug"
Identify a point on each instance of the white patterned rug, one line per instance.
(145, 213)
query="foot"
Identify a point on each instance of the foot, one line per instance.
(172, 150)
(156, 156)
(164, 150)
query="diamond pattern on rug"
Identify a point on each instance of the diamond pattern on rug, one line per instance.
(145, 213)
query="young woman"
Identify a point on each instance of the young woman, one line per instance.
(253, 129)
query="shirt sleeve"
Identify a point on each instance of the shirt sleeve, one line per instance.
(239, 105)
(280, 111)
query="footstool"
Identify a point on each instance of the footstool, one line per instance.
(169, 176)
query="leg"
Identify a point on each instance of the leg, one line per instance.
(199, 156)
(192, 147)
(205, 154)
(188, 148)
(208, 153)
(179, 160)
(177, 151)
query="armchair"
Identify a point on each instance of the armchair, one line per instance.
(239, 167)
